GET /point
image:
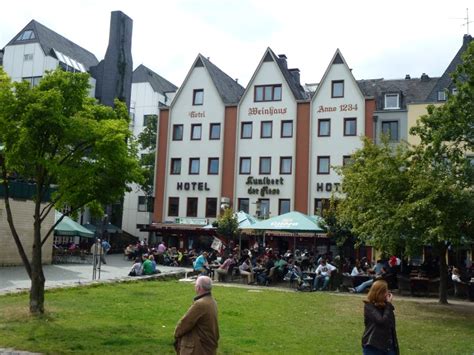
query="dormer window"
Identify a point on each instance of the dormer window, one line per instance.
(267, 93)
(198, 97)
(392, 101)
(441, 95)
(26, 35)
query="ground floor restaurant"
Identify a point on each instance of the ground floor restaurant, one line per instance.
(186, 237)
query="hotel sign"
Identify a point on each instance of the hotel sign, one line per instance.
(193, 221)
(197, 114)
(266, 189)
(328, 187)
(192, 186)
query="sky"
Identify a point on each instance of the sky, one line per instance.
(378, 39)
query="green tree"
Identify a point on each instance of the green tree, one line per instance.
(147, 142)
(227, 224)
(54, 134)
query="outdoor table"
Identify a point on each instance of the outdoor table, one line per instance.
(419, 284)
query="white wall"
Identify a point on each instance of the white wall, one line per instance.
(336, 145)
(212, 111)
(275, 147)
(17, 68)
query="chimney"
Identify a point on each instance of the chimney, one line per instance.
(283, 59)
(407, 77)
(425, 77)
(295, 72)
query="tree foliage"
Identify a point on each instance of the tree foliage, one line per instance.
(147, 142)
(227, 224)
(53, 134)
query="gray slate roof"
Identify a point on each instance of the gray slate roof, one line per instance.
(229, 90)
(295, 86)
(410, 90)
(49, 39)
(142, 74)
(445, 80)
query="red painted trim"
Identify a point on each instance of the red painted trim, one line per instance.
(161, 158)
(369, 118)
(302, 157)
(228, 163)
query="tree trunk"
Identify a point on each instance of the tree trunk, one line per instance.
(443, 274)
(37, 276)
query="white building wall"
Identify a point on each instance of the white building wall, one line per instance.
(144, 102)
(274, 147)
(336, 145)
(17, 67)
(184, 112)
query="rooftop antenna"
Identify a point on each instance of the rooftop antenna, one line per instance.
(466, 19)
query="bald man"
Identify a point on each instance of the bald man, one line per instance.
(197, 332)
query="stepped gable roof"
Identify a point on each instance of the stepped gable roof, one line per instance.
(445, 80)
(412, 90)
(295, 86)
(49, 40)
(229, 90)
(142, 74)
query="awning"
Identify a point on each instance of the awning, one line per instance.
(289, 222)
(109, 228)
(67, 227)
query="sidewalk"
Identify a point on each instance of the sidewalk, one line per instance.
(15, 278)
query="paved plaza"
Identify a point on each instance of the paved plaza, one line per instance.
(15, 278)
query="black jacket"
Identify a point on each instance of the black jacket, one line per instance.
(380, 327)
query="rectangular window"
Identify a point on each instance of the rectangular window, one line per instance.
(350, 126)
(243, 204)
(142, 204)
(27, 57)
(265, 167)
(193, 166)
(192, 207)
(244, 166)
(198, 97)
(263, 208)
(266, 129)
(324, 127)
(337, 88)
(283, 206)
(213, 166)
(392, 102)
(286, 129)
(215, 131)
(177, 132)
(173, 206)
(390, 128)
(196, 130)
(246, 130)
(211, 207)
(267, 93)
(285, 165)
(320, 205)
(147, 119)
(441, 95)
(347, 160)
(323, 164)
(175, 166)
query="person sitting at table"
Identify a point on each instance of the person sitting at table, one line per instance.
(201, 264)
(357, 270)
(280, 265)
(366, 284)
(223, 270)
(294, 272)
(323, 273)
(264, 277)
(245, 269)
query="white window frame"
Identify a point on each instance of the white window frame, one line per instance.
(391, 107)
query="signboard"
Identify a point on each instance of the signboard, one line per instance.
(194, 221)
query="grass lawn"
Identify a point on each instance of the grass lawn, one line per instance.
(139, 318)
